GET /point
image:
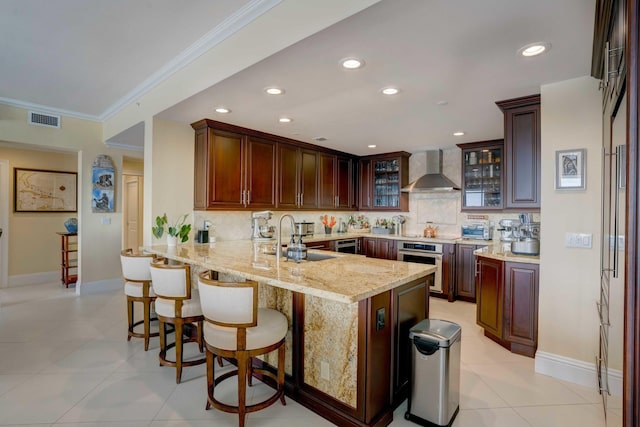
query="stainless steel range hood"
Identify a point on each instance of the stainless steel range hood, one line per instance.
(433, 180)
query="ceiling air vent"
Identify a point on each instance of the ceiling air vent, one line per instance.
(43, 119)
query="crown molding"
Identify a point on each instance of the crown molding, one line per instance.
(113, 144)
(226, 28)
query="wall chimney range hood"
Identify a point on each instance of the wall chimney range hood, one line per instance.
(433, 181)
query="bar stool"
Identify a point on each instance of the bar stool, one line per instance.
(236, 328)
(137, 288)
(179, 305)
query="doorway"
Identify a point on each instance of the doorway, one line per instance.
(133, 199)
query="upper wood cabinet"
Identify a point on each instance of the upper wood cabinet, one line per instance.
(297, 178)
(232, 170)
(522, 152)
(381, 179)
(336, 182)
(482, 180)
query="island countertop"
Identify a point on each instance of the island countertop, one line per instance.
(345, 278)
(502, 252)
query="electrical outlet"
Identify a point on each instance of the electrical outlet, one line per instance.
(324, 370)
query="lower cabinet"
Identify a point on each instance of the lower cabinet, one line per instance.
(448, 272)
(410, 305)
(507, 303)
(379, 248)
(466, 272)
(324, 245)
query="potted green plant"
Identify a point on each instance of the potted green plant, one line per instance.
(176, 231)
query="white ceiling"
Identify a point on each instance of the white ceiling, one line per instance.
(86, 56)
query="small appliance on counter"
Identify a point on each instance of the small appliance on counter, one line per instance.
(296, 251)
(303, 229)
(508, 230)
(528, 239)
(260, 228)
(477, 230)
(203, 235)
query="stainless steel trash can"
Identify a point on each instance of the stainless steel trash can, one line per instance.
(434, 393)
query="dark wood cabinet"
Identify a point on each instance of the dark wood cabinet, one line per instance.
(507, 304)
(345, 183)
(297, 177)
(232, 170)
(336, 182)
(410, 305)
(465, 272)
(374, 247)
(521, 307)
(324, 245)
(522, 152)
(482, 175)
(448, 271)
(239, 168)
(490, 295)
(381, 179)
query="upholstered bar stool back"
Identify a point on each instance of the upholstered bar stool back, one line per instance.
(179, 305)
(138, 288)
(236, 328)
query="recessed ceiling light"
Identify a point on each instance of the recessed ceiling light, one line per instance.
(459, 133)
(390, 90)
(285, 120)
(222, 110)
(534, 49)
(372, 146)
(319, 138)
(274, 91)
(442, 103)
(352, 63)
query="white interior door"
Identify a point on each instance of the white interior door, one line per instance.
(132, 233)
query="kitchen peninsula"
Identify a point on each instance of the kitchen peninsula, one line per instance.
(348, 315)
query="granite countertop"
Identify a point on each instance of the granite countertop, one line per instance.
(345, 278)
(502, 252)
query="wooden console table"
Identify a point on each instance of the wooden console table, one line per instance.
(69, 258)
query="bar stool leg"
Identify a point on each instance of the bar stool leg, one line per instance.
(210, 375)
(147, 328)
(130, 318)
(178, 336)
(163, 339)
(242, 386)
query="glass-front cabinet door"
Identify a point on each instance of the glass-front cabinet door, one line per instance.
(482, 172)
(381, 179)
(386, 184)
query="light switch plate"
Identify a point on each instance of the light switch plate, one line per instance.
(578, 240)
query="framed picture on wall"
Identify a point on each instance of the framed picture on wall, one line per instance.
(571, 169)
(103, 179)
(39, 190)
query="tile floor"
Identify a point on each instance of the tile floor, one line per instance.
(65, 361)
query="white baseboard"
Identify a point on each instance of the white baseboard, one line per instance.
(33, 279)
(99, 286)
(575, 371)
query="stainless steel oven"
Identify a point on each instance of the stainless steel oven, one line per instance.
(349, 246)
(424, 253)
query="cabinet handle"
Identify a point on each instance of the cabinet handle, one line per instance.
(242, 198)
(477, 268)
(248, 198)
(301, 199)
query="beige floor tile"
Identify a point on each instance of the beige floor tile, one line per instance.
(590, 415)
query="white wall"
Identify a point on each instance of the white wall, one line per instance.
(569, 277)
(99, 245)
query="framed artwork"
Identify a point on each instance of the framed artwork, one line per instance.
(103, 179)
(39, 190)
(571, 169)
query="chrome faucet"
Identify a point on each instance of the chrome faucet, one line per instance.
(279, 241)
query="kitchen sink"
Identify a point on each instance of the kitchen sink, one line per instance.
(318, 257)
